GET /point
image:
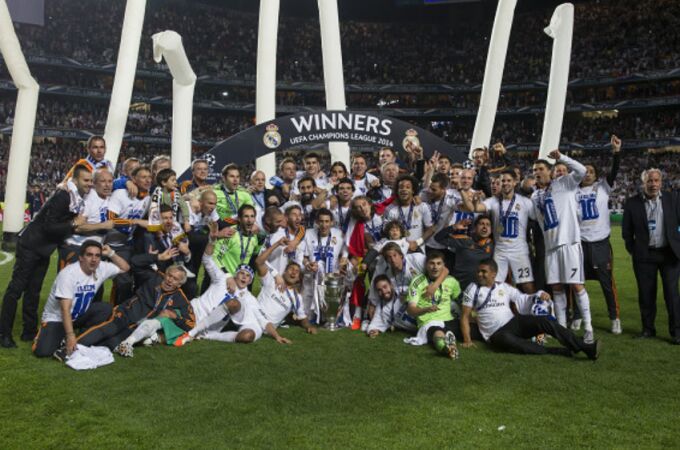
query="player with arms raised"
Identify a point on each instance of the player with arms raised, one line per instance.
(556, 211)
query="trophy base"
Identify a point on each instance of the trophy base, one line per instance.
(331, 327)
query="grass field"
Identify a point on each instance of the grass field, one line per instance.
(344, 390)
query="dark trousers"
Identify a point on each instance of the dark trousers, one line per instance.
(665, 262)
(123, 283)
(27, 279)
(597, 263)
(454, 325)
(109, 333)
(51, 334)
(197, 244)
(514, 336)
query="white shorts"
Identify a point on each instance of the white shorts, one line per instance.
(564, 265)
(519, 265)
(255, 327)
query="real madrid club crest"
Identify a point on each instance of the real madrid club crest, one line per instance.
(272, 138)
(412, 137)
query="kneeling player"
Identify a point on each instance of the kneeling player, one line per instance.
(430, 302)
(388, 312)
(508, 332)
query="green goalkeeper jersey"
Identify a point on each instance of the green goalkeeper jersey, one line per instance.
(236, 250)
(444, 297)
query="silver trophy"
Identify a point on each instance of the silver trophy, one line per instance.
(332, 292)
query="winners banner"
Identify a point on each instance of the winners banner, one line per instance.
(306, 130)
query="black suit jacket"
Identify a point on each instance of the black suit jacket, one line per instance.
(50, 226)
(635, 230)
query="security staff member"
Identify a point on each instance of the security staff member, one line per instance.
(651, 231)
(58, 219)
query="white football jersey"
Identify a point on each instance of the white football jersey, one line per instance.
(276, 305)
(593, 211)
(441, 212)
(126, 208)
(327, 250)
(556, 208)
(363, 185)
(279, 259)
(392, 313)
(414, 265)
(374, 227)
(96, 210)
(216, 292)
(415, 218)
(495, 313)
(341, 217)
(198, 220)
(510, 227)
(72, 283)
(320, 181)
(459, 214)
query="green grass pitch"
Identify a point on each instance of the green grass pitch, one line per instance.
(343, 390)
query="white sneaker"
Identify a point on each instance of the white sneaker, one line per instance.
(588, 337)
(124, 349)
(451, 348)
(576, 324)
(616, 326)
(151, 340)
(364, 325)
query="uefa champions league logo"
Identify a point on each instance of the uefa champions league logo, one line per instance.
(209, 158)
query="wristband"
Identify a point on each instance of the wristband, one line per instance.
(111, 254)
(419, 242)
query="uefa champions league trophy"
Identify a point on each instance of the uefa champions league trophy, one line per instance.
(332, 289)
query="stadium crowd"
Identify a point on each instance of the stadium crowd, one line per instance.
(445, 253)
(223, 42)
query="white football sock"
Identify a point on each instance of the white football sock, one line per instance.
(217, 315)
(225, 336)
(144, 330)
(584, 305)
(560, 307)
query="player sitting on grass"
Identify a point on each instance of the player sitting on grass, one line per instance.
(160, 297)
(227, 311)
(70, 305)
(277, 303)
(389, 312)
(430, 302)
(507, 331)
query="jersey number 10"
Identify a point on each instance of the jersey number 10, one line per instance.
(83, 300)
(588, 209)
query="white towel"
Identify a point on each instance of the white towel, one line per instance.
(86, 358)
(421, 337)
